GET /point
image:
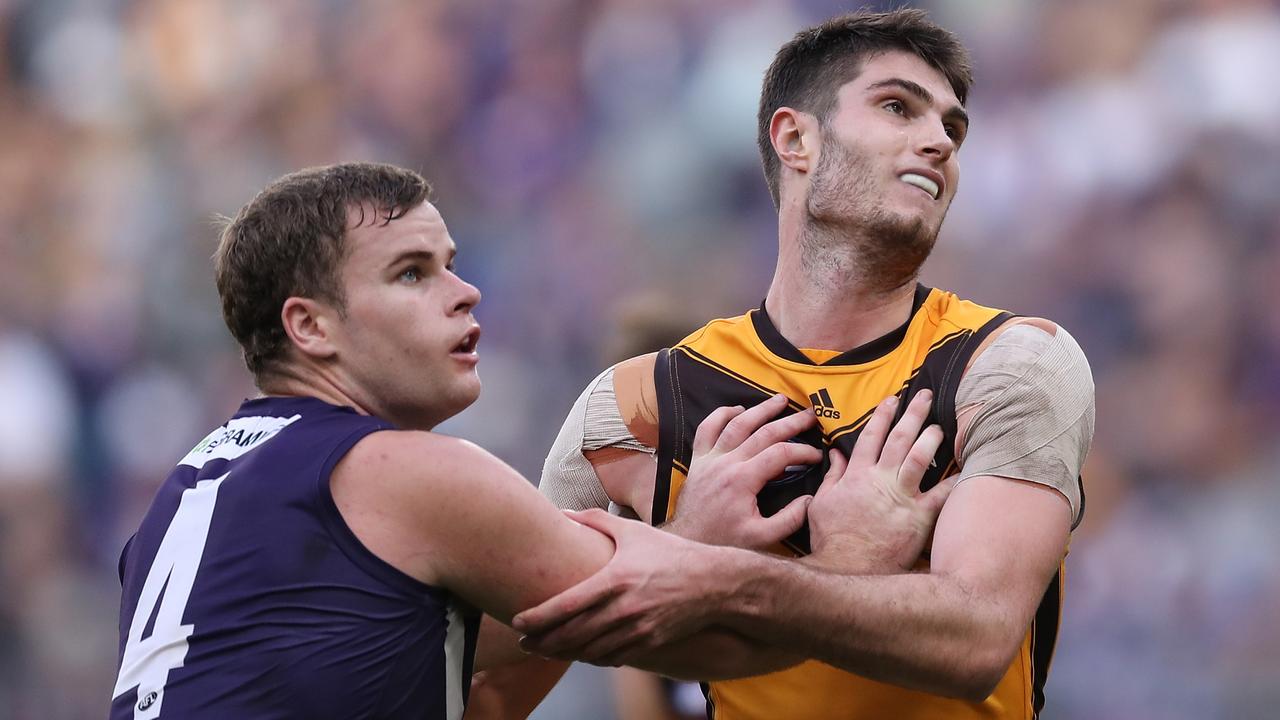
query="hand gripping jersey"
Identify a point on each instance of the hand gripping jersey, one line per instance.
(245, 594)
(744, 360)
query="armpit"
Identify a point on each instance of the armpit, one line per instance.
(1035, 398)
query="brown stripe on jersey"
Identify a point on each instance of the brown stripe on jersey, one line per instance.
(948, 338)
(1080, 515)
(679, 411)
(906, 384)
(944, 399)
(1044, 635)
(930, 374)
(862, 419)
(736, 376)
(669, 433)
(690, 387)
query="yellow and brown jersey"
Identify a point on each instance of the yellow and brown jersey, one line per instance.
(743, 360)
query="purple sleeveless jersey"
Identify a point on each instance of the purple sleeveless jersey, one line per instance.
(245, 595)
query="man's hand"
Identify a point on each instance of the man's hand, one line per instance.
(869, 515)
(734, 454)
(649, 594)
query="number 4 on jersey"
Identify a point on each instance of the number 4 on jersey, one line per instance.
(147, 662)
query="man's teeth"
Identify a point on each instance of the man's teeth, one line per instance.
(921, 182)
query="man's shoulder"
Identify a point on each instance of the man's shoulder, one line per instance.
(400, 491)
(1027, 336)
(413, 455)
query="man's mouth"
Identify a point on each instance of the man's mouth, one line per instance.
(469, 342)
(926, 184)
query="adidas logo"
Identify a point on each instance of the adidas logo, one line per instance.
(823, 407)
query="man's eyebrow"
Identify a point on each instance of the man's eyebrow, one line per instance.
(955, 113)
(425, 256)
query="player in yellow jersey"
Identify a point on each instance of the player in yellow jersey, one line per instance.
(860, 122)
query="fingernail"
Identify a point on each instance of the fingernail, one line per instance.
(891, 400)
(928, 394)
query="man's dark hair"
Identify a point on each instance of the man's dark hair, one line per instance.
(290, 241)
(811, 67)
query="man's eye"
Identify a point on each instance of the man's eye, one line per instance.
(410, 275)
(896, 107)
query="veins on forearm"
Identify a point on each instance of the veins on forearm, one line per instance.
(859, 623)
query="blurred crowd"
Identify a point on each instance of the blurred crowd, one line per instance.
(1121, 177)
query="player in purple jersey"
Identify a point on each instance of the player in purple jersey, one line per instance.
(319, 555)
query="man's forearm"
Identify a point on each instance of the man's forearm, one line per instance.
(921, 631)
(716, 654)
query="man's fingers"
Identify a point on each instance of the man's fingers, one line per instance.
(834, 473)
(712, 426)
(559, 609)
(866, 451)
(612, 647)
(917, 461)
(938, 494)
(741, 427)
(904, 434)
(773, 462)
(779, 430)
(569, 641)
(602, 521)
(784, 522)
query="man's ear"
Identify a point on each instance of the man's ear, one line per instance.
(794, 135)
(309, 324)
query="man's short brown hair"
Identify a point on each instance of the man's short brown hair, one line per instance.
(290, 241)
(811, 67)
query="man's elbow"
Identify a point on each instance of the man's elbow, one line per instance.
(975, 684)
(979, 671)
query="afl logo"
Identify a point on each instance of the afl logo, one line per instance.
(148, 700)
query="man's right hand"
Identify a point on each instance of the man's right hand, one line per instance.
(735, 452)
(869, 515)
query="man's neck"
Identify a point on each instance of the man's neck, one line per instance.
(820, 299)
(294, 381)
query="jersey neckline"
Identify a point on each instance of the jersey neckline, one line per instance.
(775, 343)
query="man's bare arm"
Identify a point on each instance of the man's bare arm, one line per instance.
(450, 514)
(951, 631)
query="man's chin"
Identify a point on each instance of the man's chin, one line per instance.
(469, 391)
(898, 245)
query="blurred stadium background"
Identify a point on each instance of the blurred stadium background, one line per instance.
(1122, 177)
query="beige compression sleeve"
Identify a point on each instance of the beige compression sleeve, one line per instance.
(568, 479)
(1035, 421)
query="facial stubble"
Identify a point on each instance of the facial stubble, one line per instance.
(848, 229)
